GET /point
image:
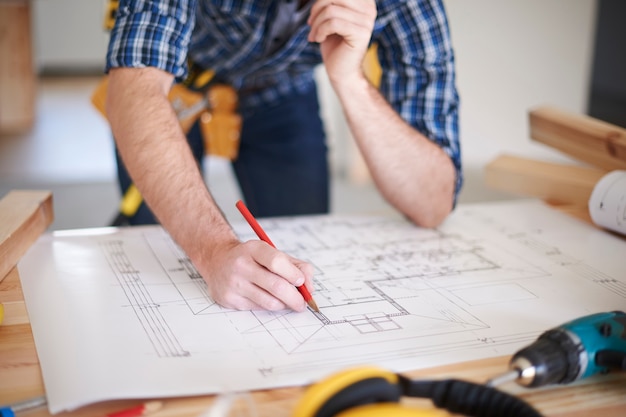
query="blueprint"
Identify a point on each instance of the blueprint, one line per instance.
(607, 203)
(123, 313)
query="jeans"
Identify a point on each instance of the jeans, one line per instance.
(282, 166)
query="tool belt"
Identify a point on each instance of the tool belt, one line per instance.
(214, 107)
(197, 99)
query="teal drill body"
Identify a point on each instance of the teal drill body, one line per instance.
(575, 350)
(603, 340)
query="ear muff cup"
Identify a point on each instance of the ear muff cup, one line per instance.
(389, 410)
(347, 389)
(367, 391)
(373, 392)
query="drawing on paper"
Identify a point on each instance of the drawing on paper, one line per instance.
(486, 283)
(373, 276)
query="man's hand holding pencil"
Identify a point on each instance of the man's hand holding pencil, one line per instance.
(254, 275)
(302, 288)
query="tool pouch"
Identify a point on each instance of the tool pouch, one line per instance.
(221, 125)
(215, 109)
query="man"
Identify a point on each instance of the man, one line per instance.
(266, 49)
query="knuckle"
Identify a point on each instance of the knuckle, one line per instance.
(277, 286)
(239, 267)
(279, 262)
(307, 269)
(273, 304)
(238, 264)
(227, 300)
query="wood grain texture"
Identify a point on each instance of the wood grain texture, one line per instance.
(582, 137)
(555, 183)
(12, 299)
(24, 216)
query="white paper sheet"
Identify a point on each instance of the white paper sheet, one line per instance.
(607, 204)
(121, 313)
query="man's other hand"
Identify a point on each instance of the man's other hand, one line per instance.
(343, 28)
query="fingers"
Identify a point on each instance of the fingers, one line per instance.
(341, 17)
(307, 270)
(277, 262)
(279, 277)
(237, 302)
(255, 276)
(272, 292)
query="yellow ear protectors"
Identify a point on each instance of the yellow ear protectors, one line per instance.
(375, 392)
(389, 410)
(345, 389)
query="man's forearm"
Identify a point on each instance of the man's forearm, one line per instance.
(158, 158)
(414, 174)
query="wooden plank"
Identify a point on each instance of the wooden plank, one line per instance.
(574, 210)
(24, 216)
(555, 183)
(12, 300)
(17, 73)
(585, 138)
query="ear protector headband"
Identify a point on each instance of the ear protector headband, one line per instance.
(374, 392)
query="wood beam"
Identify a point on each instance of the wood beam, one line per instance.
(585, 138)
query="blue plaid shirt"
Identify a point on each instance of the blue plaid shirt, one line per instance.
(230, 37)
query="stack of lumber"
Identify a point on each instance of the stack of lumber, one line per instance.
(599, 146)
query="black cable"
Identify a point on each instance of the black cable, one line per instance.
(468, 398)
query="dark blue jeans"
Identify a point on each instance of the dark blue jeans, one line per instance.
(282, 166)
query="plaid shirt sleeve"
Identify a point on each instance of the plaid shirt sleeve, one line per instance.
(152, 33)
(415, 53)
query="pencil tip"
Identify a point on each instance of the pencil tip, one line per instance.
(313, 305)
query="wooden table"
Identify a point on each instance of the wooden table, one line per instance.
(20, 377)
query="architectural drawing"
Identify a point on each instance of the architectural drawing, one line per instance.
(607, 203)
(486, 283)
(376, 280)
(373, 277)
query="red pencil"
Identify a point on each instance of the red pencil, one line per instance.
(140, 410)
(264, 237)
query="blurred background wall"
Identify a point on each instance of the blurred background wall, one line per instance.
(511, 56)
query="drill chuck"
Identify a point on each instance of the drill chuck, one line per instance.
(556, 357)
(575, 350)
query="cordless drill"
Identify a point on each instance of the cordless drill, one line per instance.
(575, 350)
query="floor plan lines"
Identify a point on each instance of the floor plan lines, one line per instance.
(599, 278)
(377, 280)
(181, 273)
(535, 241)
(406, 283)
(146, 310)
